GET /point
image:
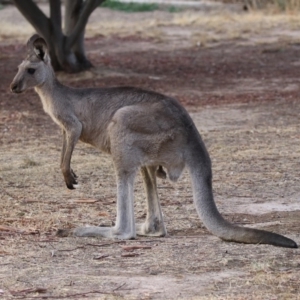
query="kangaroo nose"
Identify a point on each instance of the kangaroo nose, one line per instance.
(14, 87)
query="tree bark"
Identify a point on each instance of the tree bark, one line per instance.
(73, 10)
(66, 48)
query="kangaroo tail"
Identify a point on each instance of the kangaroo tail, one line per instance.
(199, 167)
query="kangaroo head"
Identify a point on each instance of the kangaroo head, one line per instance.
(34, 70)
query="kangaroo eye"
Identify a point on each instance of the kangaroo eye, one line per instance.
(31, 71)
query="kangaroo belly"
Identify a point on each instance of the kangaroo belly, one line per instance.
(95, 137)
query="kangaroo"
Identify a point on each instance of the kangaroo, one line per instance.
(142, 130)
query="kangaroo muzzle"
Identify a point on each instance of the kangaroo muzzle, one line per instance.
(16, 88)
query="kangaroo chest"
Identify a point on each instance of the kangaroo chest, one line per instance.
(50, 109)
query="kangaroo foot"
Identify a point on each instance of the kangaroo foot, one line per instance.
(70, 180)
(105, 232)
(146, 230)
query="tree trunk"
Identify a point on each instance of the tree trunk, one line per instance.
(73, 10)
(66, 48)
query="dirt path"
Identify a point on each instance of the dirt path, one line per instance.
(243, 97)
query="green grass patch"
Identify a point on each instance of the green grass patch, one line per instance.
(174, 9)
(130, 6)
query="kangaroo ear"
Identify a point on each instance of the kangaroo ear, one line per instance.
(38, 46)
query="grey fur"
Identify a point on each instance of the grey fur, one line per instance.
(141, 130)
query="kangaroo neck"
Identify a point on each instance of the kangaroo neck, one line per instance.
(48, 86)
(49, 91)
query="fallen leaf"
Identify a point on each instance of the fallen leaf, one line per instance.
(103, 214)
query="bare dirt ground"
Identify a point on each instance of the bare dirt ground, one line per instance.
(242, 90)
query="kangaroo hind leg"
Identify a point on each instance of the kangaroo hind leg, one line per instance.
(125, 223)
(154, 224)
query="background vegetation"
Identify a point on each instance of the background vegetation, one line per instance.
(281, 5)
(273, 5)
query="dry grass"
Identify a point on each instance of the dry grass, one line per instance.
(15, 31)
(212, 27)
(275, 6)
(255, 153)
(194, 27)
(251, 149)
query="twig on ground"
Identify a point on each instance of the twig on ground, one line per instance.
(105, 244)
(117, 288)
(135, 247)
(100, 256)
(132, 254)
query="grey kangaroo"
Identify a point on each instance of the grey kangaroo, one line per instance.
(141, 130)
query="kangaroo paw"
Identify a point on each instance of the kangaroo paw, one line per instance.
(74, 174)
(70, 181)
